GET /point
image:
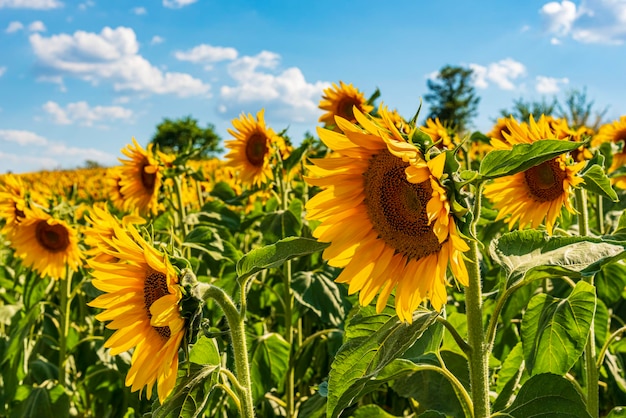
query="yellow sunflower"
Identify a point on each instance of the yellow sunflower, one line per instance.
(102, 229)
(540, 192)
(498, 129)
(339, 101)
(252, 149)
(386, 216)
(614, 132)
(12, 202)
(140, 179)
(46, 244)
(438, 133)
(141, 299)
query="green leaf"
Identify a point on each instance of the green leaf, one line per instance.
(371, 411)
(521, 157)
(205, 351)
(373, 341)
(295, 157)
(598, 182)
(548, 396)
(317, 291)
(508, 377)
(617, 412)
(269, 362)
(280, 224)
(313, 407)
(274, 255)
(554, 331)
(46, 402)
(610, 282)
(532, 254)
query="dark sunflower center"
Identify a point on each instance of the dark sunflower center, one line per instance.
(545, 181)
(345, 108)
(19, 214)
(54, 238)
(620, 137)
(154, 288)
(256, 148)
(148, 179)
(397, 208)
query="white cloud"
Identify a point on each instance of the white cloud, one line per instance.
(15, 163)
(288, 93)
(37, 26)
(22, 138)
(87, 4)
(14, 27)
(555, 41)
(549, 85)
(156, 39)
(525, 28)
(112, 55)
(31, 4)
(598, 21)
(83, 114)
(177, 4)
(207, 54)
(501, 73)
(2, 71)
(139, 11)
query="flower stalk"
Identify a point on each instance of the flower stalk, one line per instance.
(65, 287)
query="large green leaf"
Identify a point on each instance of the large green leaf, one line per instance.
(509, 376)
(46, 402)
(521, 157)
(371, 411)
(548, 396)
(617, 412)
(533, 254)
(318, 292)
(269, 362)
(204, 351)
(275, 255)
(554, 331)
(280, 224)
(598, 182)
(373, 341)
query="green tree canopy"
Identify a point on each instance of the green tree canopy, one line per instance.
(522, 109)
(176, 135)
(452, 97)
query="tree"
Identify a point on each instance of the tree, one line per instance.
(176, 135)
(578, 110)
(452, 98)
(522, 109)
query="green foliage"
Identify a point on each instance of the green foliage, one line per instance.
(452, 97)
(184, 135)
(522, 109)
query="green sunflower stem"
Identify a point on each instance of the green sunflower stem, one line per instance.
(479, 348)
(236, 321)
(65, 287)
(290, 381)
(178, 186)
(592, 375)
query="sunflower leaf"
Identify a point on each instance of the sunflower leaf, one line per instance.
(548, 395)
(555, 331)
(521, 157)
(596, 181)
(373, 342)
(275, 255)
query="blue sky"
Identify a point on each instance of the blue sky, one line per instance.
(79, 79)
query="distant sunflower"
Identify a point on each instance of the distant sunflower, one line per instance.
(99, 234)
(540, 192)
(46, 244)
(141, 299)
(614, 132)
(498, 129)
(114, 188)
(140, 179)
(252, 149)
(438, 133)
(12, 202)
(339, 101)
(386, 216)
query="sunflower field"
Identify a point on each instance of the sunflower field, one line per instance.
(381, 268)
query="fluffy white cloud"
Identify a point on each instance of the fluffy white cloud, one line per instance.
(37, 26)
(139, 11)
(288, 93)
(600, 21)
(83, 114)
(177, 4)
(548, 85)
(207, 54)
(156, 39)
(14, 27)
(112, 55)
(22, 138)
(501, 73)
(31, 4)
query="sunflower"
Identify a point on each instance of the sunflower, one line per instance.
(386, 216)
(339, 101)
(140, 179)
(102, 229)
(252, 149)
(614, 132)
(540, 192)
(438, 133)
(141, 299)
(12, 202)
(498, 129)
(46, 244)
